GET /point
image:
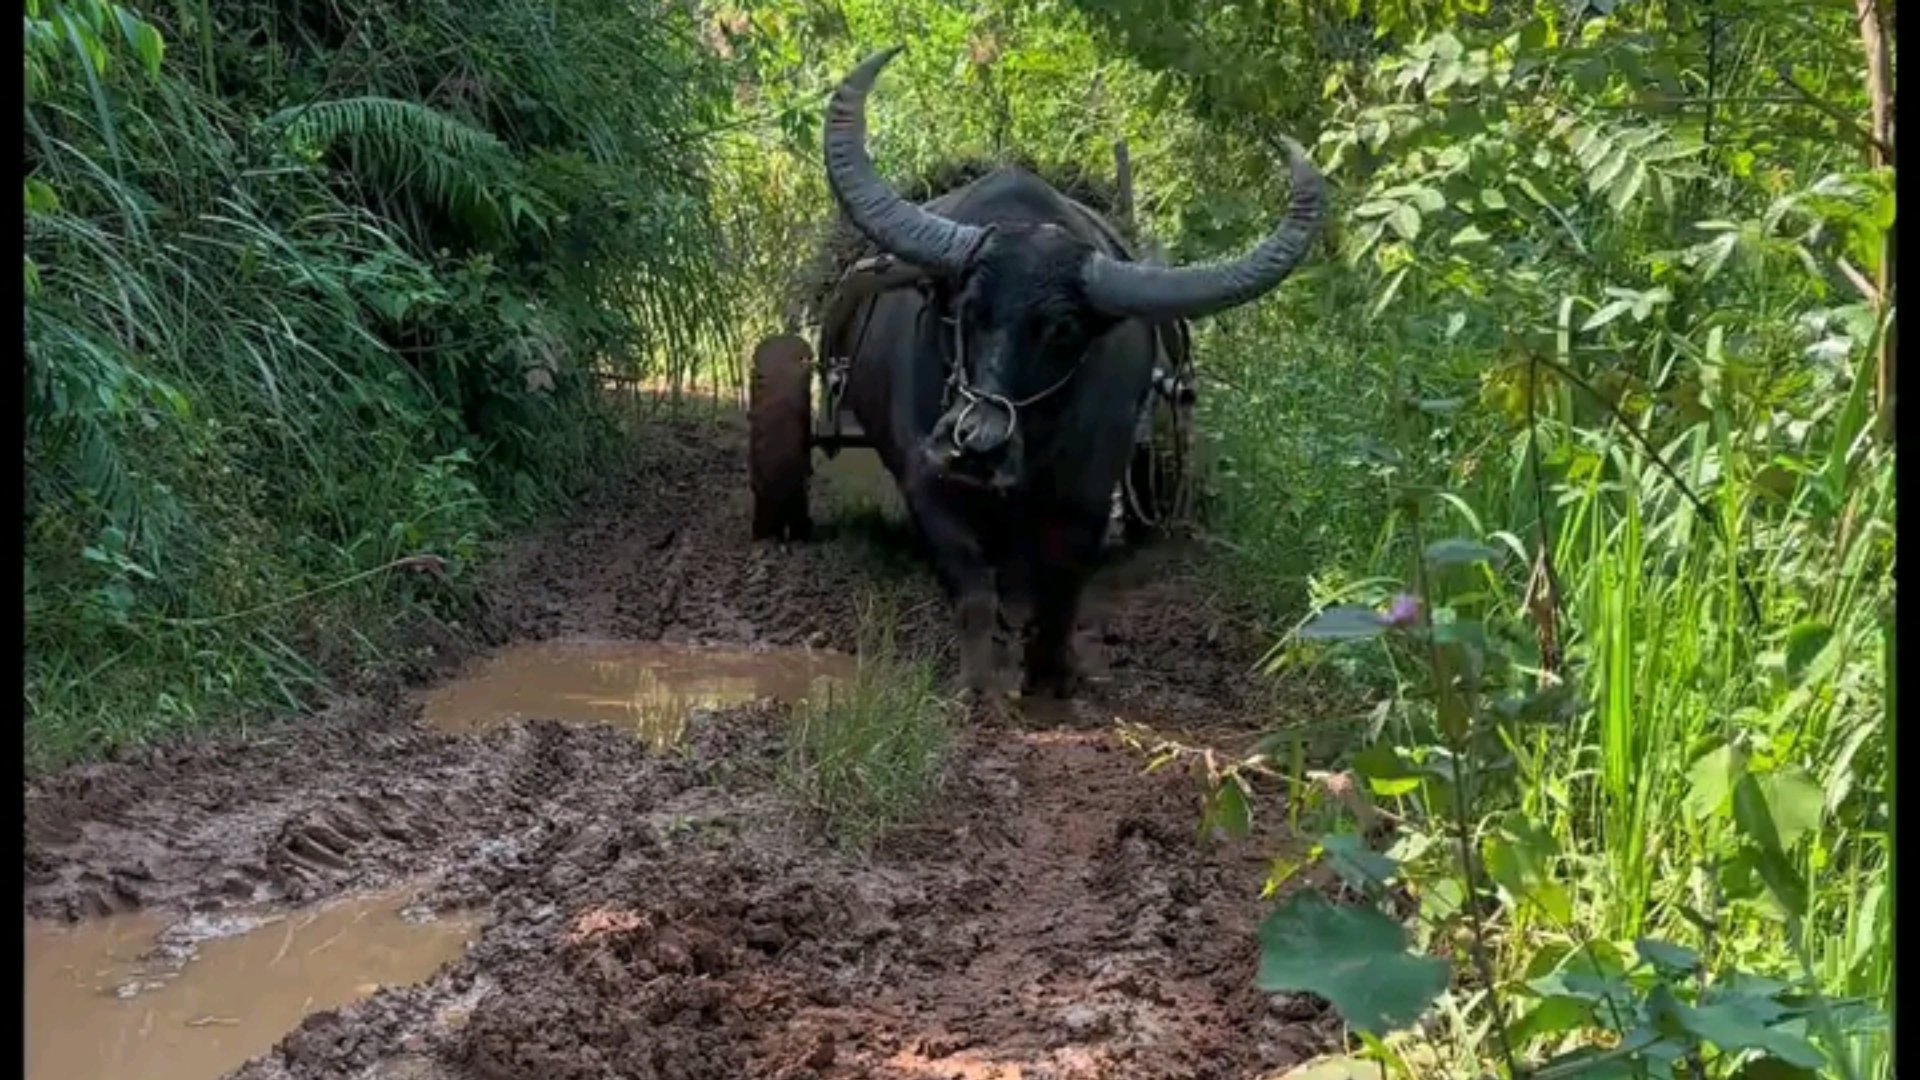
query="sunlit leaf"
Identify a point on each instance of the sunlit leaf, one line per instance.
(1710, 781)
(1805, 640)
(1228, 809)
(1755, 814)
(1387, 772)
(1404, 219)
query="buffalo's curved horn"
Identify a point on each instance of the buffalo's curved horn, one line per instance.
(1191, 292)
(891, 222)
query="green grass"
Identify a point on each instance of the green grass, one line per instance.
(870, 755)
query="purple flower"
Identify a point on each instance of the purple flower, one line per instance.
(1404, 611)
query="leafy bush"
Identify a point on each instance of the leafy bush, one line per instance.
(317, 294)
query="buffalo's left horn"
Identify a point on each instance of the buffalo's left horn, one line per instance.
(891, 222)
(1192, 292)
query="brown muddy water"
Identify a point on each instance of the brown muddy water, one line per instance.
(649, 687)
(146, 996)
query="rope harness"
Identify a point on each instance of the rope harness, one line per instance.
(876, 275)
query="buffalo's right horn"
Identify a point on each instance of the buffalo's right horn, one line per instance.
(894, 224)
(1192, 292)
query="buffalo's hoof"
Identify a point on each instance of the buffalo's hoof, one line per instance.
(993, 707)
(1060, 687)
(1062, 679)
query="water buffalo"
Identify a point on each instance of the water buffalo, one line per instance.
(1003, 395)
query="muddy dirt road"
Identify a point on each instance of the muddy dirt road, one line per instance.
(655, 907)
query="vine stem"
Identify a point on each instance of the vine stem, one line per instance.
(1456, 739)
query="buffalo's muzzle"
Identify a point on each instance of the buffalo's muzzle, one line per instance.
(974, 443)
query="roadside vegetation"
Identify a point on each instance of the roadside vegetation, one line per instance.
(871, 754)
(313, 298)
(1573, 445)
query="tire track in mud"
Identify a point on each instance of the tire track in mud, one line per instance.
(667, 915)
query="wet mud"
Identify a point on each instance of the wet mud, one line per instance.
(650, 688)
(667, 911)
(194, 999)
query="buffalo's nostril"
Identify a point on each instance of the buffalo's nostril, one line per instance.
(983, 430)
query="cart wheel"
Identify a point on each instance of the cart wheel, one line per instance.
(779, 457)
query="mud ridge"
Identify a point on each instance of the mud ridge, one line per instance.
(1064, 932)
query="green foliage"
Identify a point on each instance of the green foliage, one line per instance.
(1354, 957)
(314, 297)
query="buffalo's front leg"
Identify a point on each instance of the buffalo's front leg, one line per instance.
(967, 576)
(1064, 555)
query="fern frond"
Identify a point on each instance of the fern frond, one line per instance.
(409, 148)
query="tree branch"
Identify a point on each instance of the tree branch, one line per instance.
(1836, 114)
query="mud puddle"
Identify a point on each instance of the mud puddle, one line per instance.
(144, 995)
(648, 687)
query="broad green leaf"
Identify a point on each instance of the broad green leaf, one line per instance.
(1456, 551)
(1556, 1015)
(1667, 958)
(1343, 622)
(1468, 235)
(40, 197)
(1519, 856)
(1589, 147)
(1710, 257)
(1354, 957)
(1227, 809)
(151, 47)
(1795, 802)
(1805, 640)
(1404, 219)
(1441, 899)
(1602, 176)
(1733, 1025)
(1754, 813)
(1386, 771)
(1357, 865)
(1425, 199)
(1620, 196)
(1710, 781)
